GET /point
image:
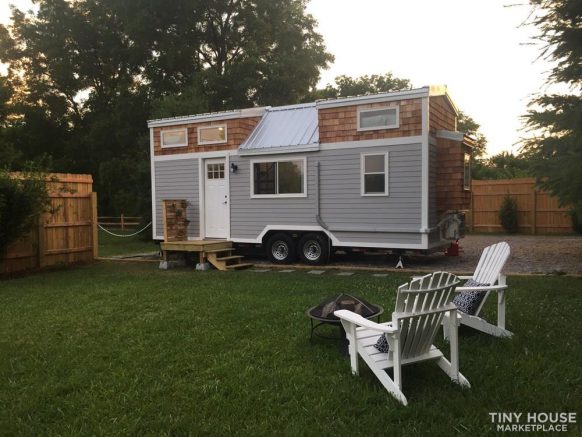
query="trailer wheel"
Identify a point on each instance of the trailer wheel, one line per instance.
(313, 249)
(281, 249)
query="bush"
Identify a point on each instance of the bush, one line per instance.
(22, 198)
(576, 216)
(508, 214)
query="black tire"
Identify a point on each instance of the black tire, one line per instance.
(313, 249)
(281, 249)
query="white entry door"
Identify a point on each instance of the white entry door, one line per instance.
(216, 202)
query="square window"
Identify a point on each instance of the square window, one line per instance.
(374, 174)
(285, 178)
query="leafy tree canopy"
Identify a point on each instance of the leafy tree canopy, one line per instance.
(85, 75)
(345, 86)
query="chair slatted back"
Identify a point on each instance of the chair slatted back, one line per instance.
(491, 263)
(420, 308)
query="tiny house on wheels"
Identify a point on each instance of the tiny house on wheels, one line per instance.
(385, 171)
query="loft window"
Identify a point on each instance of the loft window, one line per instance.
(212, 134)
(378, 118)
(278, 178)
(467, 172)
(375, 174)
(174, 138)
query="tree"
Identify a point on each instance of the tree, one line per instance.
(555, 120)
(22, 198)
(353, 86)
(87, 74)
(469, 126)
(504, 165)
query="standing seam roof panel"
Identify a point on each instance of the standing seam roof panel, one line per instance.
(286, 126)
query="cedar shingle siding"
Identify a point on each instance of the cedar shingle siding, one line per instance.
(238, 130)
(441, 115)
(341, 124)
(450, 192)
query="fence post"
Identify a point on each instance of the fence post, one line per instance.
(122, 222)
(534, 211)
(94, 225)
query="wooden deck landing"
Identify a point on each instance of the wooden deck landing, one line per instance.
(195, 245)
(219, 253)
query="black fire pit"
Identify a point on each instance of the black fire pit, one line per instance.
(322, 314)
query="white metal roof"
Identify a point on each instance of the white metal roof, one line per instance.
(285, 126)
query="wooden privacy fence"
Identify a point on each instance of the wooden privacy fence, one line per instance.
(538, 212)
(121, 222)
(67, 234)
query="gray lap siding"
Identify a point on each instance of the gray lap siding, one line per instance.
(349, 215)
(178, 179)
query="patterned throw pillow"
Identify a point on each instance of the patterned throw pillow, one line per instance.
(382, 344)
(469, 301)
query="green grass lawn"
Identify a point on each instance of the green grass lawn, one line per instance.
(130, 349)
(114, 246)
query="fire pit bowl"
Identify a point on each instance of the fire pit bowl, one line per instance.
(323, 312)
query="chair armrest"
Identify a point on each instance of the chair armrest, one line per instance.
(481, 288)
(465, 277)
(356, 319)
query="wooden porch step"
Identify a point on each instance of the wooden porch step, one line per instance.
(239, 266)
(219, 250)
(228, 258)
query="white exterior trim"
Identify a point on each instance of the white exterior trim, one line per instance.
(372, 143)
(363, 174)
(450, 135)
(195, 155)
(185, 144)
(201, 196)
(277, 196)
(376, 98)
(279, 150)
(227, 177)
(282, 151)
(153, 182)
(199, 129)
(361, 111)
(425, 172)
(335, 241)
(202, 190)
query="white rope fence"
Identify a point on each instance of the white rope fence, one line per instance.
(128, 235)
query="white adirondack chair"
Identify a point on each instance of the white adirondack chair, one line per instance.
(421, 306)
(488, 272)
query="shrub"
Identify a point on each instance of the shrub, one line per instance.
(576, 216)
(508, 214)
(22, 197)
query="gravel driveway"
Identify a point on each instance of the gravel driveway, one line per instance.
(529, 254)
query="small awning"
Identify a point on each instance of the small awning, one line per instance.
(284, 129)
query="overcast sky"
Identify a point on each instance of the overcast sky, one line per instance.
(475, 47)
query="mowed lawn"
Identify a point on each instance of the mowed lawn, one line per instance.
(110, 245)
(130, 349)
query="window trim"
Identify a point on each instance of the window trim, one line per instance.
(364, 110)
(163, 131)
(363, 174)
(277, 160)
(467, 170)
(214, 126)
